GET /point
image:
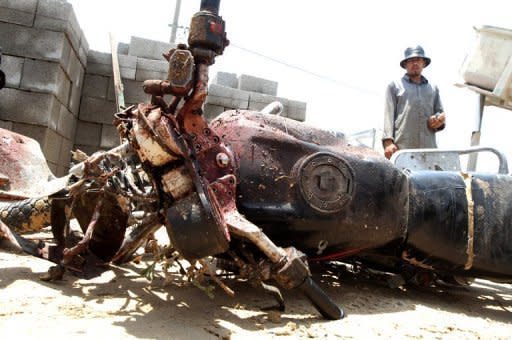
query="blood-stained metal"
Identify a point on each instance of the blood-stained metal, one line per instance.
(24, 169)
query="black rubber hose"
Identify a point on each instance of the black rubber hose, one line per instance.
(320, 300)
(210, 5)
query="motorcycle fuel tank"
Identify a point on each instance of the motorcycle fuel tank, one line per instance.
(333, 194)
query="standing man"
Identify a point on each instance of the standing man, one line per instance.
(413, 112)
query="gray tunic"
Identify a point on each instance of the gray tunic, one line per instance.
(408, 107)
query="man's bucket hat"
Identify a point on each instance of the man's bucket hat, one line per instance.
(413, 52)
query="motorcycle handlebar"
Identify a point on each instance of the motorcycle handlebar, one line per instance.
(320, 300)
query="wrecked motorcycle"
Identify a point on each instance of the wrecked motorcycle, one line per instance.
(264, 194)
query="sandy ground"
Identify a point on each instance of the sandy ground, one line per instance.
(120, 303)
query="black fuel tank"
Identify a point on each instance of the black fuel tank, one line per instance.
(308, 188)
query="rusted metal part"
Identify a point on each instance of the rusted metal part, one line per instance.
(156, 142)
(179, 77)
(181, 71)
(23, 163)
(189, 117)
(4, 180)
(70, 253)
(240, 226)
(178, 183)
(156, 87)
(471, 221)
(207, 37)
(136, 237)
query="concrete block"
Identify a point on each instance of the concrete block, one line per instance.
(44, 76)
(96, 86)
(54, 116)
(101, 64)
(59, 25)
(51, 147)
(12, 67)
(133, 92)
(226, 79)
(75, 73)
(66, 125)
(28, 6)
(109, 137)
(106, 58)
(65, 153)
(34, 43)
(54, 168)
(88, 134)
(211, 111)
(151, 69)
(106, 70)
(141, 75)
(82, 55)
(58, 9)
(74, 65)
(88, 149)
(29, 107)
(227, 97)
(83, 50)
(97, 110)
(33, 131)
(257, 101)
(61, 171)
(152, 65)
(149, 49)
(76, 93)
(122, 48)
(17, 17)
(4, 124)
(296, 110)
(20, 12)
(255, 84)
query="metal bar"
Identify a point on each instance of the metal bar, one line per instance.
(475, 135)
(118, 84)
(502, 169)
(174, 29)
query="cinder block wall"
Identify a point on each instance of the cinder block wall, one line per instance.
(44, 59)
(227, 91)
(138, 61)
(62, 95)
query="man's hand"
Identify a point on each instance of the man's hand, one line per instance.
(389, 148)
(436, 121)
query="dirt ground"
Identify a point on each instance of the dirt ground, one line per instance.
(120, 303)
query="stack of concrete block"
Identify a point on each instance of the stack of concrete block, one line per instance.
(44, 60)
(229, 92)
(138, 61)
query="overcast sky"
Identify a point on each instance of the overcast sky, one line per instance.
(354, 46)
